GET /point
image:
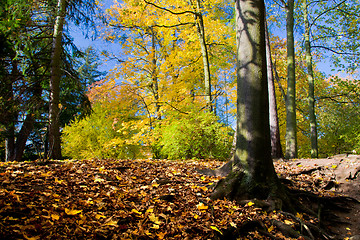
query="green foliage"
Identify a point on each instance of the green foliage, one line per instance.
(196, 135)
(339, 118)
(95, 136)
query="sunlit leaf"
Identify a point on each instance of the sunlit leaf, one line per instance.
(287, 222)
(155, 226)
(32, 238)
(202, 207)
(58, 181)
(55, 216)
(136, 211)
(111, 223)
(154, 219)
(72, 211)
(150, 210)
(216, 229)
(97, 179)
(250, 204)
(98, 216)
(161, 235)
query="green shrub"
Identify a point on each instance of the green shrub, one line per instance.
(97, 136)
(196, 135)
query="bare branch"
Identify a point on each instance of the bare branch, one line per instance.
(168, 10)
(336, 52)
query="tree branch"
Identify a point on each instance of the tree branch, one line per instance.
(336, 52)
(167, 10)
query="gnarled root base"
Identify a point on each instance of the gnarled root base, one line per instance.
(269, 196)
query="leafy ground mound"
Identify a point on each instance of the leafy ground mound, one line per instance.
(147, 199)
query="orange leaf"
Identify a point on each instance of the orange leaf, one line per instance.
(201, 206)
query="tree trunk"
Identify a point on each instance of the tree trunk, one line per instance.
(54, 110)
(9, 142)
(12, 114)
(154, 75)
(276, 150)
(205, 56)
(310, 76)
(291, 144)
(23, 135)
(253, 174)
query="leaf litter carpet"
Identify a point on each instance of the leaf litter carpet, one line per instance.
(139, 199)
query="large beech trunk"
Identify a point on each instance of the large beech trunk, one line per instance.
(253, 174)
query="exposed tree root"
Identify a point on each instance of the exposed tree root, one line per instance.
(235, 233)
(276, 196)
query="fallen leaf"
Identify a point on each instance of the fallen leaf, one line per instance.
(216, 229)
(98, 216)
(201, 207)
(72, 212)
(99, 180)
(111, 223)
(150, 210)
(250, 204)
(161, 235)
(154, 219)
(31, 238)
(155, 226)
(136, 211)
(55, 216)
(287, 222)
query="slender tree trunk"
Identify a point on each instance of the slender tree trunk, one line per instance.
(253, 174)
(23, 135)
(205, 56)
(28, 124)
(54, 110)
(276, 150)
(9, 142)
(12, 114)
(154, 75)
(310, 76)
(291, 139)
(10, 128)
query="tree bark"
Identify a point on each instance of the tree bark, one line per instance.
(276, 150)
(291, 139)
(253, 174)
(54, 110)
(310, 77)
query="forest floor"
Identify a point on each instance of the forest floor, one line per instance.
(160, 199)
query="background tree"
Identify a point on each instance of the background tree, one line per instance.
(290, 137)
